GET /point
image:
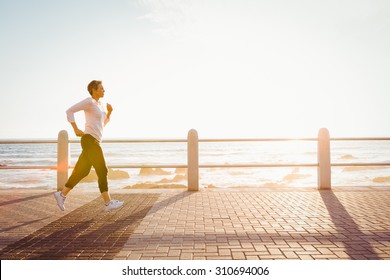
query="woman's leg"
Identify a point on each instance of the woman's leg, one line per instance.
(83, 165)
(96, 158)
(81, 170)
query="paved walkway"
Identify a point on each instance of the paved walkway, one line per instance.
(210, 224)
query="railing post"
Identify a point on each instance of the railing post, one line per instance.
(62, 159)
(324, 166)
(193, 160)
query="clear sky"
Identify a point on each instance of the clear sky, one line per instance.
(244, 68)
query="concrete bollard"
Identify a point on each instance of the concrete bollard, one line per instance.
(324, 165)
(193, 160)
(62, 159)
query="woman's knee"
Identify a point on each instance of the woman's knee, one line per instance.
(82, 172)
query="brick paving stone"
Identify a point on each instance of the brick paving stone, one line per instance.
(224, 252)
(238, 256)
(290, 255)
(174, 253)
(186, 256)
(305, 257)
(211, 249)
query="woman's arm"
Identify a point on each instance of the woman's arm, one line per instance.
(77, 131)
(109, 111)
(82, 105)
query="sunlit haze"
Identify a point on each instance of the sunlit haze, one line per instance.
(226, 68)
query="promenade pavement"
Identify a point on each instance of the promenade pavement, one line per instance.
(264, 223)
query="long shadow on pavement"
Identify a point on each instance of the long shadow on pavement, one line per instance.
(85, 233)
(355, 243)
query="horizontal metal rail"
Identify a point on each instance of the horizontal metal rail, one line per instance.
(257, 139)
(28, 167)
(243, 165)
(215, 165)
(361, 139)
(16, 142)
(247, 165)
(72, 141)
(361, 164)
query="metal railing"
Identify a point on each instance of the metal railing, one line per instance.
(323, 155)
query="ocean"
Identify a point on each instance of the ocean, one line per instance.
(284, 152)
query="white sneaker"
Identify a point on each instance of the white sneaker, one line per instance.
(60, 200)
(113, 204)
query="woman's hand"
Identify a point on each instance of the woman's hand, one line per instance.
(78, 132)
(109, 108)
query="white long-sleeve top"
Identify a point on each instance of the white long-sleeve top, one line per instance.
(95, 116)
